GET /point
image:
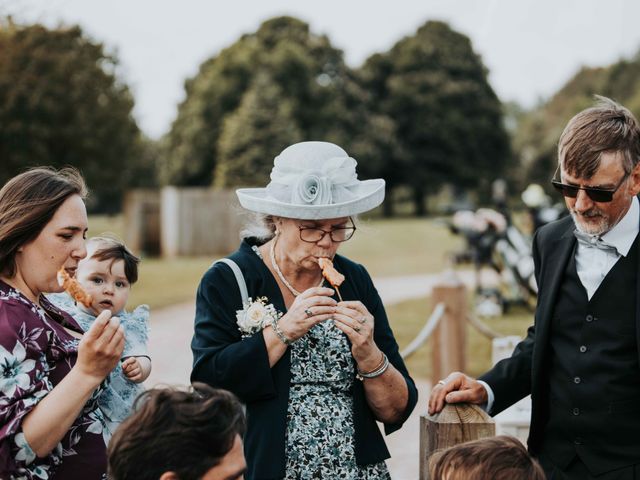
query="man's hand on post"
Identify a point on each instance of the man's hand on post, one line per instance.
(456, 388)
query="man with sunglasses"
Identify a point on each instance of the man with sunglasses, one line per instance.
(580, 360)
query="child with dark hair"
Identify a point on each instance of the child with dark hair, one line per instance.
(107, 273)
(180, 435)
(494, 458)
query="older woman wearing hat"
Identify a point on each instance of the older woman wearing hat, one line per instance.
(316, 367)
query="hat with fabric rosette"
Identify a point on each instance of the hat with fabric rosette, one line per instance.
(313, 181)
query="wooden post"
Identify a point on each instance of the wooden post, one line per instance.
(456, 423)
(449, 337)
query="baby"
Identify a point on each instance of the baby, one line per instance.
(107, 273)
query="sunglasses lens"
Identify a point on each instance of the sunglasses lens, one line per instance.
(599, 195)
(566, 190)
(594, 194)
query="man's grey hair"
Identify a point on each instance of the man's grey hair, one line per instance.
(606, 127)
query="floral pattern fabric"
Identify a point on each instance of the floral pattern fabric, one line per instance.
(35, 355)
(320, 428)
(116, 402)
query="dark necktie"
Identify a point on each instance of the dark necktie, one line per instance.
(592, 241)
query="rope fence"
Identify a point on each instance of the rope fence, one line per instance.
(482, 327)
(425, 332)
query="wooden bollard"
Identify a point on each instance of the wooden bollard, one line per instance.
(456, 423)
(449, 337)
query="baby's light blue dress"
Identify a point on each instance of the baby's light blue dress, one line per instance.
(117, 400)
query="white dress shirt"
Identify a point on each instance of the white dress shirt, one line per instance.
(594, 264)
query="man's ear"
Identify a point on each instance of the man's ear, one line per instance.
(634, 183)
(168, 476)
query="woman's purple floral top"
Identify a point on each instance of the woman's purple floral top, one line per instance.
(36, 352)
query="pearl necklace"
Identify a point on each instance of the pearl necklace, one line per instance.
(279, 273)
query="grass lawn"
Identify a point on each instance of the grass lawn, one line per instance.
(401, 246)
(407, 318)
(106, 224)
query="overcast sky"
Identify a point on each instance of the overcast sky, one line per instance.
(531, 47)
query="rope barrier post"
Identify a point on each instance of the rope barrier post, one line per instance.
(449, 339)
(455, 424)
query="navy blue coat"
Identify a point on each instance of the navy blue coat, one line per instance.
(222, 359)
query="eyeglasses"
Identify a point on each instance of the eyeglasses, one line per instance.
(601, 195)
(313, 235)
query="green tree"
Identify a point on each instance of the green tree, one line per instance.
(61, 103)
(375, 142)
(447, 118)
(310, 73)
(253, 134)
(536, 138)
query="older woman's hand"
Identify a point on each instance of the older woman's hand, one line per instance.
(311, 307)
(101, 347)
(357, 323)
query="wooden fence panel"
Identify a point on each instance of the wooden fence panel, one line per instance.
(199, 221)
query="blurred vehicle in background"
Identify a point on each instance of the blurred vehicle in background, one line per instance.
(494, 241)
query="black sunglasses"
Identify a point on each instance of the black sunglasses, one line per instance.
(601, 195)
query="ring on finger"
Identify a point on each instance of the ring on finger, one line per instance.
(363, 319)
(441, 382)
(308, 312)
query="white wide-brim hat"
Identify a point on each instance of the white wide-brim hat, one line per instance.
(313, 181)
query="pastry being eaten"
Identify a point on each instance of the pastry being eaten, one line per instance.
(73, 288)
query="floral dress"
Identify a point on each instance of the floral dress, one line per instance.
(36, 352)
(116, 402)
(320, 429)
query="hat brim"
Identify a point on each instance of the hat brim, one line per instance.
(370, 194)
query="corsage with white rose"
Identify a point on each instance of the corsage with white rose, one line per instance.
(256, 315)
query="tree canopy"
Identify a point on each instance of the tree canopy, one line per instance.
(536, 138)
(448, 120)
(61, 103)
(301, 70)
(262, 123)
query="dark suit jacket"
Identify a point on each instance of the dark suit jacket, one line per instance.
(524, 372)
(222, 359)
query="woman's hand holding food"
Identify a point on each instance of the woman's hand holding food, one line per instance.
(101, 347)
(357, 323)
(311, 307)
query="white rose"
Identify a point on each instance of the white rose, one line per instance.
(313, 190)
(255, 313)
(242, 320)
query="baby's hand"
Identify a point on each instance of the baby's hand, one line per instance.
(132, 369)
